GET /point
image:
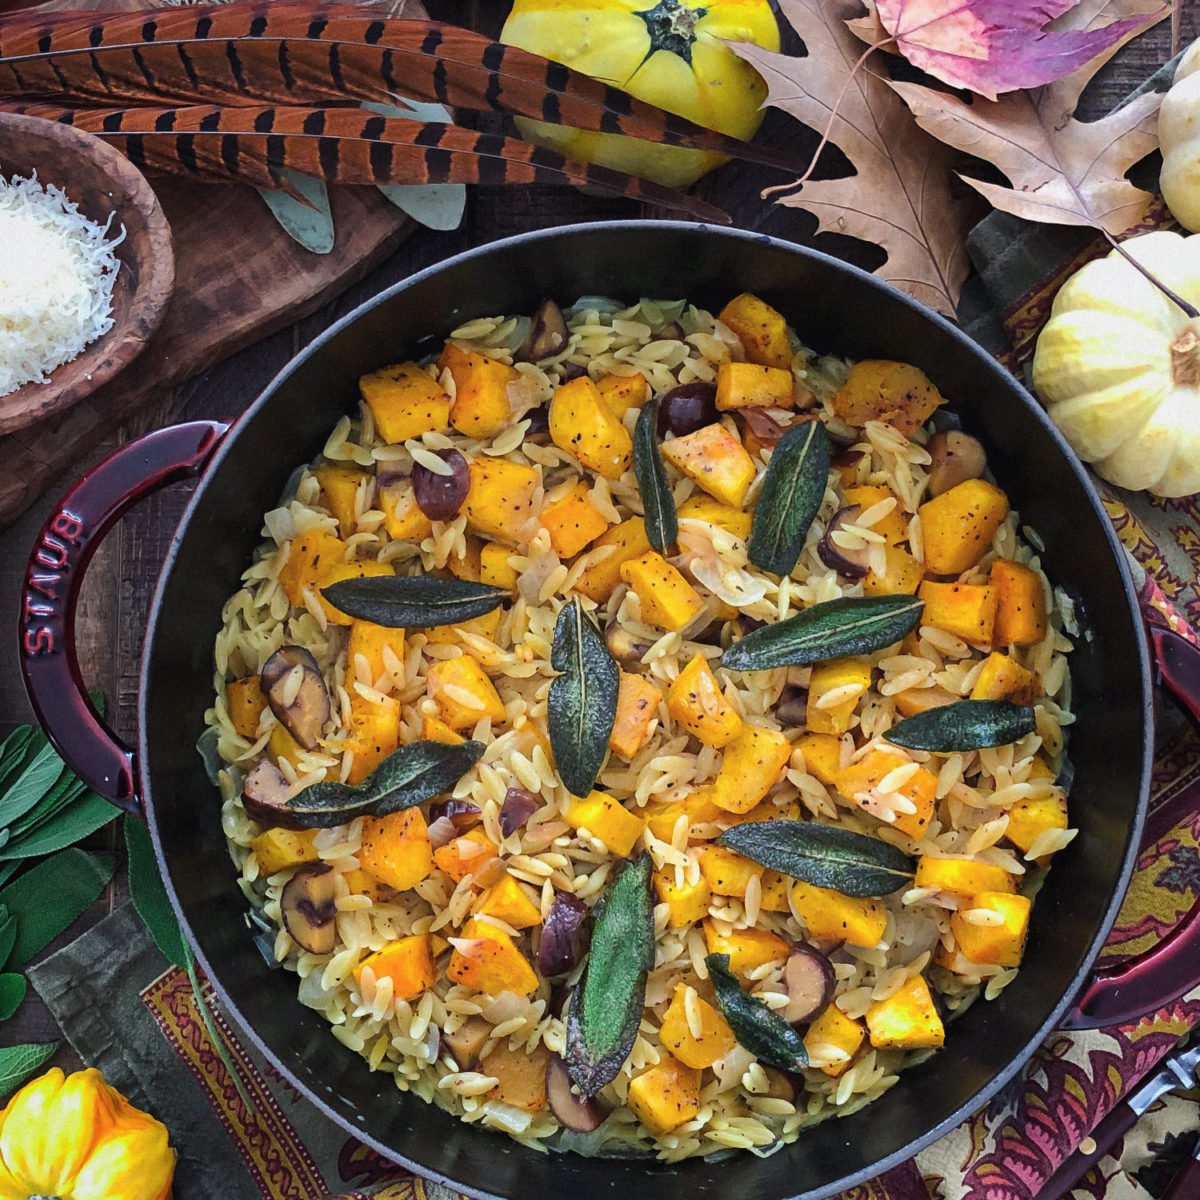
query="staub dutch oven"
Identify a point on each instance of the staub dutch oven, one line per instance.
(242, 473)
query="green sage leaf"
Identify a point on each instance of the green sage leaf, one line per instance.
(18, 1064)
(149, 894)
(606, 1007)
(658, 502)
(64, 793)
(408, 776)
(964, 725)
(12, 992)
(837, 628)
(765, 1034)
(582, 705)
(8, 935)
(823, 855)
(34, 781)
(413, 601)
(69, 826)
(791, 496)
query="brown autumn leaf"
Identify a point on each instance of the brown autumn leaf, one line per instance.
(1062, 171)
(900, 197)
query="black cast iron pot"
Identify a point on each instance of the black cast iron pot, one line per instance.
(836, 309)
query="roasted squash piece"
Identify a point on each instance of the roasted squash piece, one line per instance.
(695, 700)
(487, 959)
(761, 329)
(310, 555)
(395, 849)
(623, 392)
(434, 729)
(1020, 604)
(748, 385)
(495, 568)
(500, 503)
(834, 691)
(1003, 678)
(715, 460)
(833, 1030)
(686, 902)
(637, 706)
(699, 507)
(402, 516)
(405, 402)
(666, 1096)
(666, 598)
(893, 526)
(281, 849)
(881, 390)
(573, 521)
(583, 426)
(727, 872)
(376, 645)
(907, 1020)
(1002, 944)
(508, 901)
(463, 856)
(374, 733)
(747, 948)
(822, 755)
(751, 764)
(829, 914)
(244, 701)
(602, 576)
(481, 407)
(341, 485)
(967, 610)
(484, 625)
(859, 781)
(521, 1075)
(714, 1041)
(1029, 819)
(407, 962)
(463, 693)
(962, 877)
(606, 819)
(901, 574)
(957, 527)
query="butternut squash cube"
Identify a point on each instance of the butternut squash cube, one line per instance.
(282, 849)
(861, 921)
(957, 527)
(434, 729)
(500, 502)
(407, 962)
(881, 390)
(485, 626)
(1020, 604)
(374, 733)
(916, 700)
(340, 485)
(715, 460)
(1029, 819)
(907, 1020)
(666, 598)
(402, 516)
(281, 745)
(698, 805)
(727, 872)
(901, 574)
(583, 426)
(822, 756)
(623, 392)
(509, 902)
(775, 886)
(1001, 945)
(395, 849)
(687, 903)
(606, 819)
(574, 521)
(834, 691)
(833, 1029)
(463, 693)
(761, 329)
(463, 856)
(602, 576)
(962, 877)
(363, 883)
(714, 1041)
(747, 948)
(369, 642)
(695, 700)
(487, 959)
(468, 564)
(310, 555)
(1003, 678)
(859, 781)
(967, 610)
(666, 1096)
(466, 1042)
(748, 385)
(359, 569)
(751, 764)
(244, 701)
(699, 507)
(521, 1075)
(481, 407)
(894, 526)
(405, 401)
(637, 706)
(495, 568)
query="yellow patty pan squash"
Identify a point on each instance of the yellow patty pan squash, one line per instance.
(668, 53)
(1179, 139)
(1118, 366)
(74, 1137)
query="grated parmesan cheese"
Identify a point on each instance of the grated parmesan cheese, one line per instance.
(57, 270)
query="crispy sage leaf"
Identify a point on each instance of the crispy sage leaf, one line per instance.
(658, 503)
(606, 1008)
(413, 601)
(834, 629)
(582, 703)
(823, 855)
(964, 725)
(764, 1033)
(791, 496)
(411, 775)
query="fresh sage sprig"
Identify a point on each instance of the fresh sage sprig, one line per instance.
(411, 775)
(964, 725)
(791, 496)
(823, 855)
(765, 1034)
(851, 625)
(606, 1007)
(413, 601)
(658, 502)
(19, 1064)
(582, 704)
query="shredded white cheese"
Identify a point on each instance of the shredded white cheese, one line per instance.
(57, 270)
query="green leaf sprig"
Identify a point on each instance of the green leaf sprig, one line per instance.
(764, 1033)
(658, 502)
(964, 725)
(791, 496)
(413, 601)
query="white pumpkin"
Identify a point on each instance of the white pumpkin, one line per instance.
(1118, 366)
(1179, 138)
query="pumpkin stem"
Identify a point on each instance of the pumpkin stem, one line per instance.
(1185, 358)
(1189, 310)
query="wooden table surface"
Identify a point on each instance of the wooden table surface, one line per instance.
(120, 582)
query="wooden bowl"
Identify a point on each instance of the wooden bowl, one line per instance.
(100, 181)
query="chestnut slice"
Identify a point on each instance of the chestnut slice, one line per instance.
(265, 795)
(462, 814)
(302, 705)
(549, 333)
(765, 430)
(308, 908)
(539, 425)
(688, 407)
(440, 497)
(956, 457)
(851, 564)
(519, 805)
(466, 1043)
(563, 941)
(782, 1086)
(573, 1112)
(623, 646)
(809, 980)
(791, 710)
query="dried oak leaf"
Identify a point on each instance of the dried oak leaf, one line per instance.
(1062, 171)
(900, 197)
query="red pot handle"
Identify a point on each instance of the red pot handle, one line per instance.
(1152, 980)
(51, 591)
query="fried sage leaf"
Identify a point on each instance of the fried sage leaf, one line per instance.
(764, 1033)
(582, 703)
(823, 855)
(413, 601)
(658, 503)
(791, 496)
(964, 725)
(852, 625)
(606, 1008)
(411, 775)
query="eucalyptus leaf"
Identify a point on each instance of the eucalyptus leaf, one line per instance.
(851, 625)
(31, 785)
(964, 725)
(66, 828)
(413, 601)
(18, 1064)
(764, 1033)
(434, 205)
(606, 1007)
(791, 496)
(311, 223)
(582, 705)
(658, 502)
(408, 776)
(12, 992)
(149, 894)
(823, 855)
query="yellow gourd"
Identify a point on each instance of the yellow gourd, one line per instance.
(670, 53)
(1118, 366)
(1179, 139)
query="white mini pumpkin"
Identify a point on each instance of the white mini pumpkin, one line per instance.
(1179, 139)
(1118, 366)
